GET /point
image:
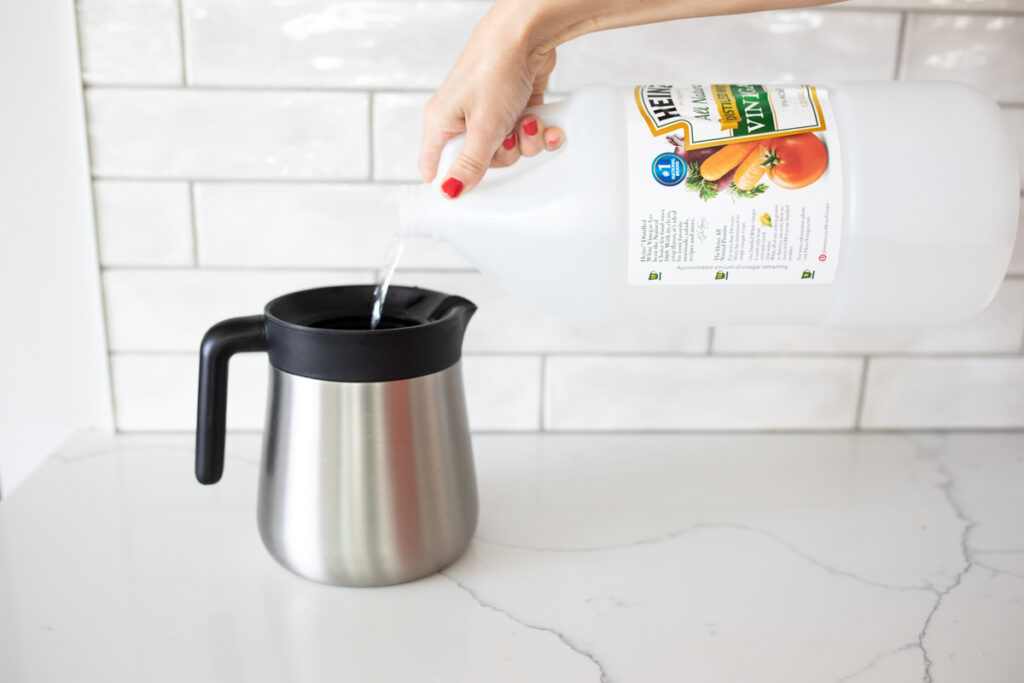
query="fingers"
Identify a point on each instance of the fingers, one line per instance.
(508, 153)
(431, 145)
(553, 138)
(480, 151)
(511, 149)
(477, 152)
(531, 136)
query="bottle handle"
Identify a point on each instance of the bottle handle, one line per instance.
(553, 114)
(223, 340)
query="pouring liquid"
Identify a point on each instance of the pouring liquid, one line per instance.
(387, 271)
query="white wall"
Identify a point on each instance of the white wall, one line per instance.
(242, 149)
(53, 363)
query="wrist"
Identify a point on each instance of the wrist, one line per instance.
(534, 27)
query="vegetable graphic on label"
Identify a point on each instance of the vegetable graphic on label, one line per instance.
(753, 167)
(796, 161)
(789, 161)
(726, 159)
(765, 219)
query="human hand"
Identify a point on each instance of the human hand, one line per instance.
(494, 80)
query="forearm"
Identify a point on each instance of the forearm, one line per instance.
(547, 24)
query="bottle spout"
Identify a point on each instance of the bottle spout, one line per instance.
(416, 210)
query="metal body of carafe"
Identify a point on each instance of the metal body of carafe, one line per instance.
(367, 483)
(366, 476)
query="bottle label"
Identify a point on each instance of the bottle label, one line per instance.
(733, 184)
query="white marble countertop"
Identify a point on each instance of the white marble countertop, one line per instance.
(791, 558)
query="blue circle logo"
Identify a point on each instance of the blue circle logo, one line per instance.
(668, 169)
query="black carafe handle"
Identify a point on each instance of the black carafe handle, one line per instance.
(223, 340)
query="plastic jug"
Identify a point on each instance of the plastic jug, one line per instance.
(902, 209)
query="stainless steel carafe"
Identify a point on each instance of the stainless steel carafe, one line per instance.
(367, 470)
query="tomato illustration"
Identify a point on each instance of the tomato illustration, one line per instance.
(796, 161)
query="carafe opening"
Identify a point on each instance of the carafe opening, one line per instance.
(361, 322)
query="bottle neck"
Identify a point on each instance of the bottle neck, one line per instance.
(417, 210)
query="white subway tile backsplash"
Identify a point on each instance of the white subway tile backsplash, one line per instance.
(504, 322)
(796, 45)
(1017, 261)
(157, 392)
(333, 43)
(170, 310)
(180, 133)
(502, 392)
(397, 128)
(144, 223)
(306, 225)
(227, 153)
(673, 393)
(130, 42)
(999, 329)
(983, 50)
(944, 393)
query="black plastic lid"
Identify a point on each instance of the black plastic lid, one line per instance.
(325, 333)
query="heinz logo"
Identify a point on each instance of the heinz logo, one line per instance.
(660, 103)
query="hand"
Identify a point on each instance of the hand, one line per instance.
(494, 80)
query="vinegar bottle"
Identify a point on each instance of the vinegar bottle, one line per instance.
(855, 204)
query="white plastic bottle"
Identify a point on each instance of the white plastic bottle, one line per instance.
(910, 221)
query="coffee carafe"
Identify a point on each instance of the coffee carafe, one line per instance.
(367, 474)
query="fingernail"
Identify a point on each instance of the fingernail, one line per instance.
(552, 140)
(530, 127)
(452, 188)
(510, 141)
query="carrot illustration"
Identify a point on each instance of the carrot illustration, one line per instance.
(725, 159)
(752, 168)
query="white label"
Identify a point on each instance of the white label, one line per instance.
(733, 184)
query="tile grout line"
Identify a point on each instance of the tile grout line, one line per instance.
(542, 423)
(96, 227)
(194, 223)
(412, 271)
(300, 268)
(182, 44)
(191, 87)
(370, 97)
(261, 180)
(681, 356)
(901, 40)
(751, 432)
(858, 416)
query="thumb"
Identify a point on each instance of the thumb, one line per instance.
(468, 168)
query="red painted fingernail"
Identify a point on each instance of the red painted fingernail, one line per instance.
(552, 139)
(452, 188)
(510, 141)
(530, 127)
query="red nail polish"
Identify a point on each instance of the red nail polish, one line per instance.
(510, 141)
(452, 188)
(530, 127)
